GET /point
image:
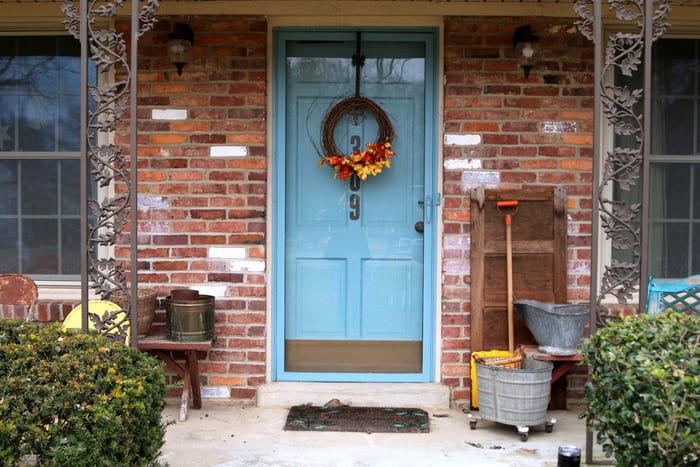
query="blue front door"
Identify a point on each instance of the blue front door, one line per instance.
(354, 275)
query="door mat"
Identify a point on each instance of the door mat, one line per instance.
(357, 419)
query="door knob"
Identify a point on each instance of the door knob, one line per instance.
(419, 226)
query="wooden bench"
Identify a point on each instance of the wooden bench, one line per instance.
(188, 370)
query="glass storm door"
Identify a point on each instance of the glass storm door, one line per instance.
(353, 272)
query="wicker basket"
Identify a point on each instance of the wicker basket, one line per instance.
(514, 361)
(146, 307)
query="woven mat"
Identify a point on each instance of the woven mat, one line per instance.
(357, 419)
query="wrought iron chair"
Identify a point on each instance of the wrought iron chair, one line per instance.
(18, 289)
(677, 294)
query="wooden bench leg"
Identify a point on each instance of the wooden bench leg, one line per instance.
(185, 398)
(193, 367)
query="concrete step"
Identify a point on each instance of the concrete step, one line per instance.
(287, 394)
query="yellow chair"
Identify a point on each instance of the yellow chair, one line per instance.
(74, 320)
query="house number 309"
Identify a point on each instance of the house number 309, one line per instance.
(354, 200)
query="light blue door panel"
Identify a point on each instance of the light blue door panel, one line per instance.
(351, 260)
(317, 305)
(391, 307)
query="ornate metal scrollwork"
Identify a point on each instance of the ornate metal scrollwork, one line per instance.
(621, 165)
(106, 162)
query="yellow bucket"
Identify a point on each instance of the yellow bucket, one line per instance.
(472, 366)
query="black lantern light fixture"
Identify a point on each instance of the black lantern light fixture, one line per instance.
(180, 41)
(525, 45)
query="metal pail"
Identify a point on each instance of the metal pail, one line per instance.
(190, 320)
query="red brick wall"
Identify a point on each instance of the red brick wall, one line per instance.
(197, 201)
(486, 94)
(191, 201)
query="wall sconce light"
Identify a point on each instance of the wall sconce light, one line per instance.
(525, 45)
(180, 41)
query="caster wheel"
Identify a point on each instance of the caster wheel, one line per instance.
(549, 427)
(472, 425)
(523, 437)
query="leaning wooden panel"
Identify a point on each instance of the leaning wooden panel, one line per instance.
(539, 260)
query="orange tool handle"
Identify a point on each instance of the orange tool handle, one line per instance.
(508, 214)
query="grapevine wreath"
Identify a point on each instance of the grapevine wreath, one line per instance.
(363, 163)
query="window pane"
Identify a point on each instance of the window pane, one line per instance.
(8, 246)
(68, 121)
(675, 67)
(670, 191)
(673, 131)
(70, 246)
(40, 246)
(8, 187)
(35, 125)
(8, 110)
(668, 250)
(39, 187)
(70, 187)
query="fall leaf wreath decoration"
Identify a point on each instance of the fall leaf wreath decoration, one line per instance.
(362, 163)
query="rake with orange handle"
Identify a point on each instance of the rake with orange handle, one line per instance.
(508, 209)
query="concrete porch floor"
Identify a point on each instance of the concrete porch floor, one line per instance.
(224, 435)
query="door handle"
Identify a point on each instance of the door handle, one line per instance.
(428, 205)
(419, 227)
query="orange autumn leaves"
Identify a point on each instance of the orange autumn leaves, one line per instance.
(363, 163)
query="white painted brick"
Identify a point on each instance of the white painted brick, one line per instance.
(228, 151)
(169, 114)
(248, 265)
(226, 252)
(558, 127)
(155, 202)
(463, 164)
(213, 290)
(461, 140)
(476, 179)
(215, 392)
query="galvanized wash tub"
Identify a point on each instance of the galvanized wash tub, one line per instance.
(556, 327)
(515, 396)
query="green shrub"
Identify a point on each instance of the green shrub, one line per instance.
(77, 399)
(643, 393)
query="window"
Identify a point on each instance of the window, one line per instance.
(674, 204)
(674, 179)
(40, 156)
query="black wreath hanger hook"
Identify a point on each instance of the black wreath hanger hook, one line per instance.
(358, 61)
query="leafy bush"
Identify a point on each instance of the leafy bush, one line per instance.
(77, 399)
(643, 393)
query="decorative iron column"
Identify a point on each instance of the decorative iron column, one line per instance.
(622, 49)
(103, 220)
(620, 166)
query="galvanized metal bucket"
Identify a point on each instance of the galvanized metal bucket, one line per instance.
(515, 396)
(556, 327)
(190, 320)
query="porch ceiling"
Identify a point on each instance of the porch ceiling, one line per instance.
(682, 11)
(23, 14)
